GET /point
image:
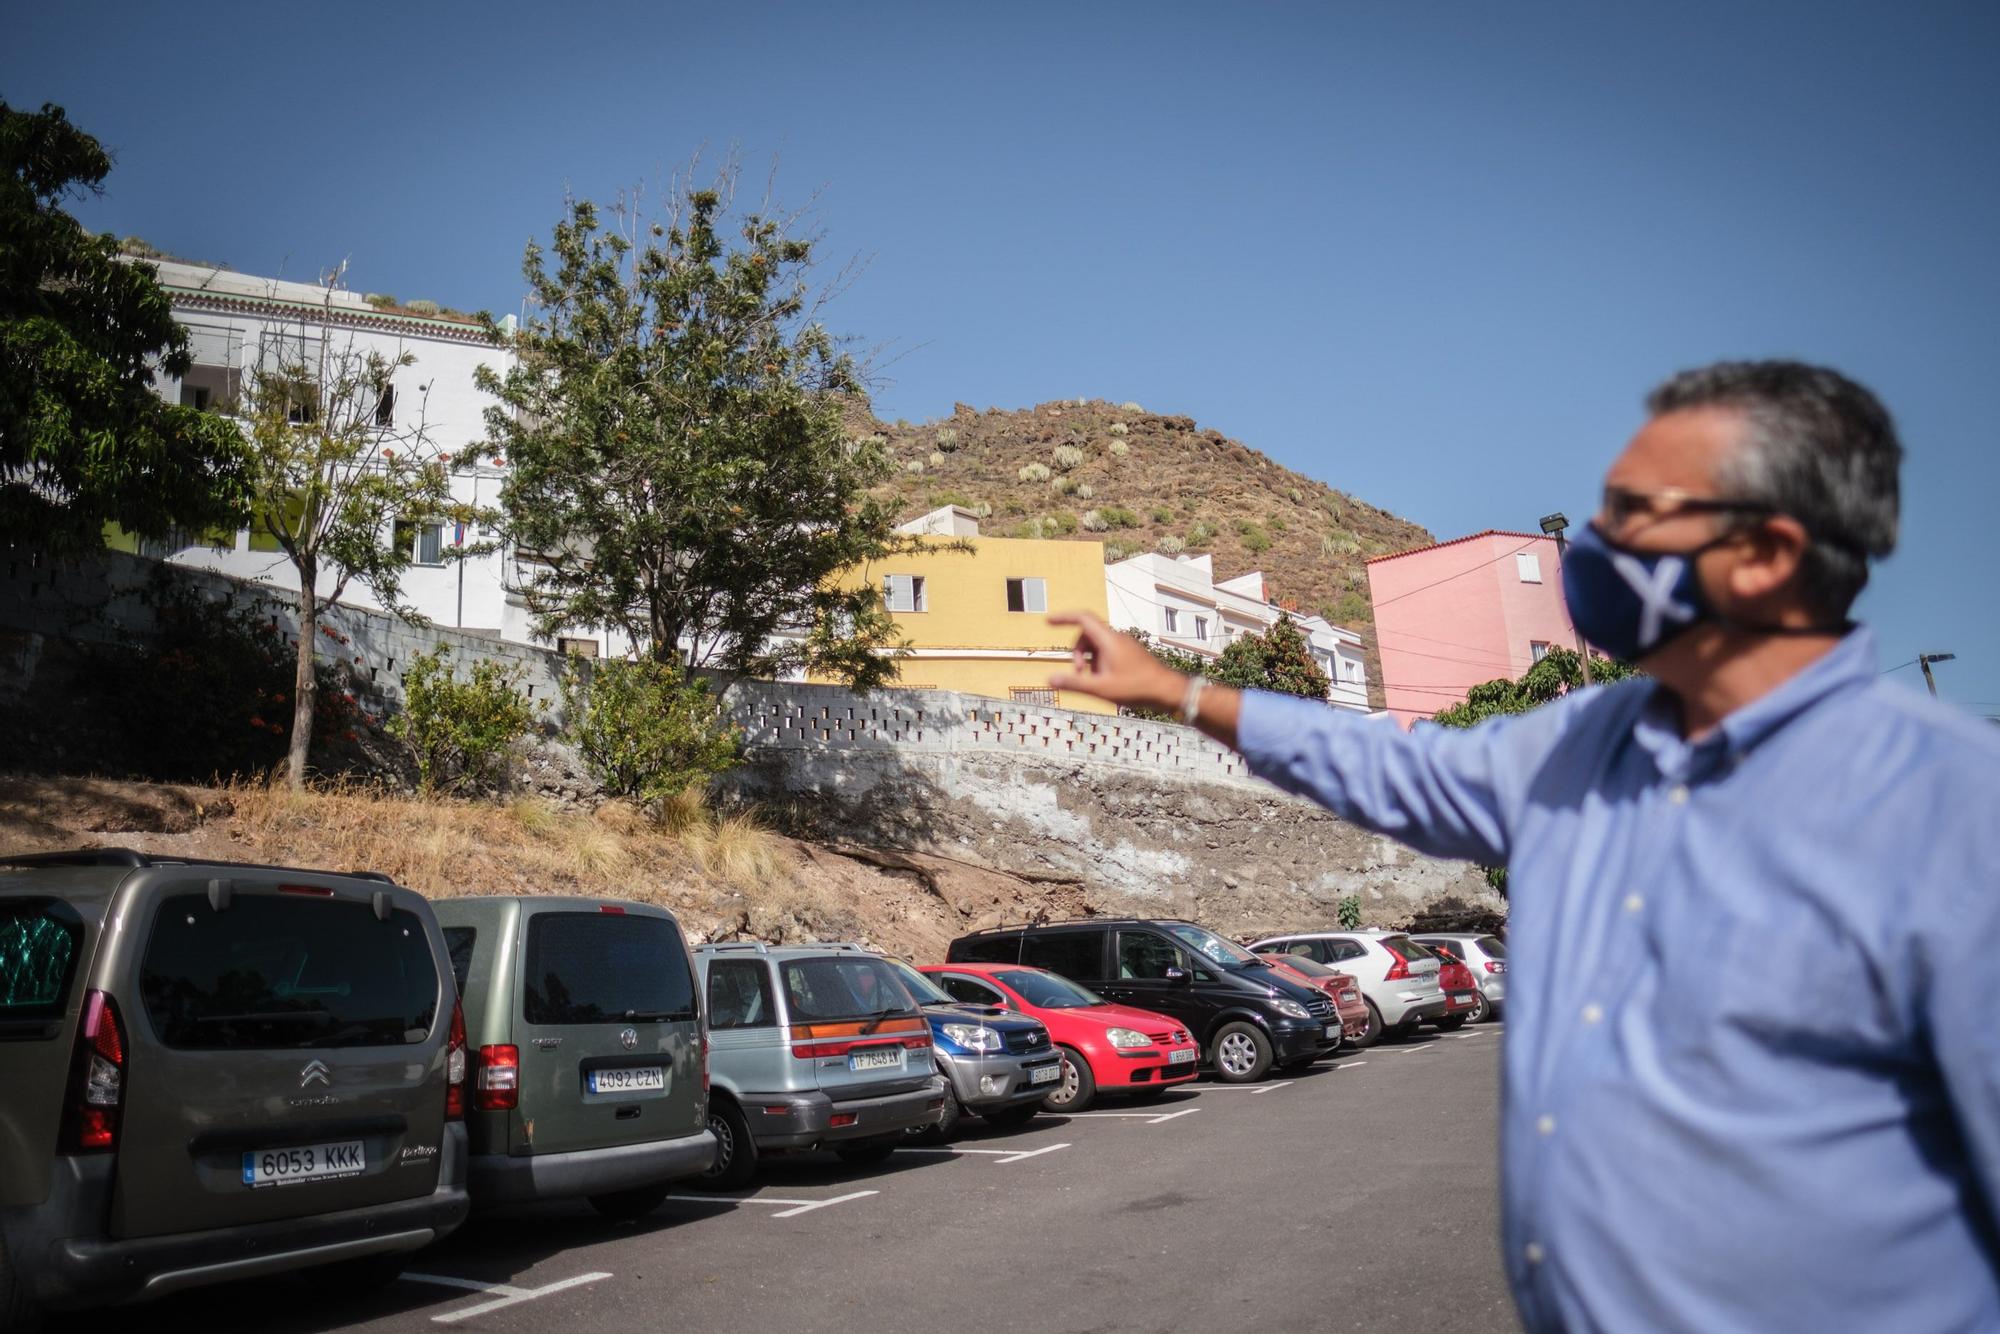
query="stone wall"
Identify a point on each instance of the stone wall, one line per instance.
(1147, 817)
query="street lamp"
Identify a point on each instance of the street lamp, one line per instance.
(1555, 525)
(1924, 660)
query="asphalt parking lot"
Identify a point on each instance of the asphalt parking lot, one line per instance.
(1360, 1195)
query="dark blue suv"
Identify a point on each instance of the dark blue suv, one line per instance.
(1000, 1064)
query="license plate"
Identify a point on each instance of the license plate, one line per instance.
(628, 1080)
(884, 1059)
(312, 1162)
(1333, 1030)
(1464, 998)
(1046, 1075)
(1183, 1057)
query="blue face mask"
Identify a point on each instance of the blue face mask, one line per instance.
(1629, 603)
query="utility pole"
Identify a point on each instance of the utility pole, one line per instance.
(1555, 525)
(1924, 660)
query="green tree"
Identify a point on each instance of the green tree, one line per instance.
(343, 477)
(677, 459)
(1279, 659)
(459, 731)
(84, 440)
(647, 729)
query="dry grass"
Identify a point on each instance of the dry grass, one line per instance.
(445, 847)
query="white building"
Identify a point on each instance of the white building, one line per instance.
(238, 323)
(1178, 601)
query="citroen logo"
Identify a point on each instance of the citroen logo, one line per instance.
(630, 1037)
(313, 1070)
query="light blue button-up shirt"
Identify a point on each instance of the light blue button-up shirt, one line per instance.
(1752, 1066)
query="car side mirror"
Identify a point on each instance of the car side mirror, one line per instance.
(1177, 977)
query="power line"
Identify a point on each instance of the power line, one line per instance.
(1462, 573)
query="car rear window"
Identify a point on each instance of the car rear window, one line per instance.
(589, 968)
(986, 949)
(37, 959)
(847, 986)
(1073, 954)
(458, 941)
(1409, 949)
(1495, 947)
(283, 970)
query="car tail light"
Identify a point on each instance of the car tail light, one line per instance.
(100, 1077)
(498, 1088)
(842, 1120)
(1400, 970)
(454, 1065)
(1495, 966)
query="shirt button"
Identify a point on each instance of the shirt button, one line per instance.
(1546, 1126)
(1633, 903)
(1534, 1252)
(1592, 1013)
(1679, 795)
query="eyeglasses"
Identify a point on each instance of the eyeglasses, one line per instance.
(1621, 505)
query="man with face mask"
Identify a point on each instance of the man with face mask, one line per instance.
(1752, 1074)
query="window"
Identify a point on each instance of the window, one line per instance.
(1538, 649)
(1529, 565)
(1338, 950)
(1027, 595)
(1350, 670)
(1409, 949)
(989, 949)
(1494, 947)
(1143, 956)
(1032, 695)
(430, 544)
(1050, 993)
(286, 971)
(577, 648)
(459, 940)
(1306, 949)
(1201, 627)
(969, 991)
(1171, 619)
(195, 396)
(385, 403)
(37, 962)
(593, 968)
(739, 994)
(904, 592)
(215, 379)
(1078, 955)
(849, 986)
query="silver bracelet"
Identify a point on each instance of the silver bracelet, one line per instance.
(1191, 700)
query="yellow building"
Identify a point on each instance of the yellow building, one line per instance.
(975, 609)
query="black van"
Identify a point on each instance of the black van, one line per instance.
(1245, 1016)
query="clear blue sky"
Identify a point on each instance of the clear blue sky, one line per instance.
(1432, 253)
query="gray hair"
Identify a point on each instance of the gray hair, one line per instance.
(1819, 448)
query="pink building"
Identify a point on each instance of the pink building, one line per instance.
(1450, 616)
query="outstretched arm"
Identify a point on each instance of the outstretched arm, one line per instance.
(1436, 789)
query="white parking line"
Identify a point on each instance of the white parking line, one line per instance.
(1271, 1087)
(1349, 1065)
(1000, 1157)
(1410, 1051)
(508, 1295)
(796, 1208)
(1150, 1118)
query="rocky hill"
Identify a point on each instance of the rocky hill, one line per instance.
(1141, 481)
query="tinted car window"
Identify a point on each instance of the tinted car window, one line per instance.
(739, 994)
(1078, 954)
(987, 949)
(848, 987)
(458, 941)
(37, 959)
(281, 970)
(1406, 947)
(969, 991)
(1214, 946)
(1051, 993)
(1141, 955)
(1345, 949)
(588, 968)
(1495, 947)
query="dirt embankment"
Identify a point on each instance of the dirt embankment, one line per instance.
(723, 876)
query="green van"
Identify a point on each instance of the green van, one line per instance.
(589, 1059)
(212, 1070)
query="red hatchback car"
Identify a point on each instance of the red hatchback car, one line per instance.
(1340, 988)
(1106, 1048)
(1460, 987)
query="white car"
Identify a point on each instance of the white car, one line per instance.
(1398, 977)
(1486, 955)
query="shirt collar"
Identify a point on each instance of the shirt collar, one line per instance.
(1849, 663)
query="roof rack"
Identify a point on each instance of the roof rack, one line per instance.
(133, 858)
(746, 946)
(1085, 921)
(761, 947)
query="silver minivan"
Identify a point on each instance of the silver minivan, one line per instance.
(811, 1047)
(1398, 977)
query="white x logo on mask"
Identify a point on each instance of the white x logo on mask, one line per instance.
(1655, 588)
